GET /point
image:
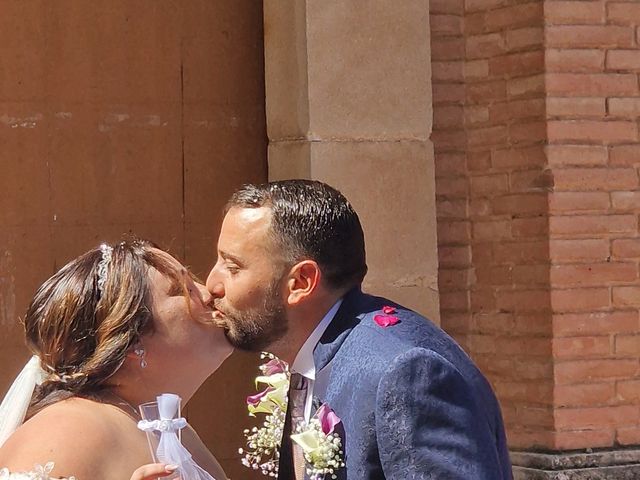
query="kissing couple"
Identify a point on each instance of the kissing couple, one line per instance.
(124, 323)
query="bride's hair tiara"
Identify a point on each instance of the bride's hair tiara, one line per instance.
(103, 265)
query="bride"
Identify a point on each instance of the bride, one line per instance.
(111, 330)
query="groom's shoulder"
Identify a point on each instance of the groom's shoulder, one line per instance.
(392, 329)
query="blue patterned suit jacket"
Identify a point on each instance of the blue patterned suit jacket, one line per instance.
(412, 403)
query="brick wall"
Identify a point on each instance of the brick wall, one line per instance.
(535, 130)
(592, 66)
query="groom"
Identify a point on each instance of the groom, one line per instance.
(291, 259)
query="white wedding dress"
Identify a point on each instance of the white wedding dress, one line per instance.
(39, 472)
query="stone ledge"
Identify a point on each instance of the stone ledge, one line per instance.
(601, 465)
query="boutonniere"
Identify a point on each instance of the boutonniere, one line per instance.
(321, 444)
(387, 318)
(263, 443)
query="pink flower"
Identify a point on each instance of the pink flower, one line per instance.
(328, 419)
(255, 399)
(386, 320)
(387, 310)
(272, 367)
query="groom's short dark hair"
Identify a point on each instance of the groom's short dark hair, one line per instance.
(311, 220)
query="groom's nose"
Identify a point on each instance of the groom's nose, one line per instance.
(214, 284)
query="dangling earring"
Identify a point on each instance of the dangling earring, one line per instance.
(140, 353)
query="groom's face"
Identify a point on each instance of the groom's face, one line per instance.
(246, 281)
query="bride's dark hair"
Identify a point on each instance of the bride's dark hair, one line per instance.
(81, 331)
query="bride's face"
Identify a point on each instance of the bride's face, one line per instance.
(184, 336)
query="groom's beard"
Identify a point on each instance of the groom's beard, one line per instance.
(254, 330)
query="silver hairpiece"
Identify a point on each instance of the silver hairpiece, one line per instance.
(106, 251)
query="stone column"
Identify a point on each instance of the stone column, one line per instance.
(348, 102)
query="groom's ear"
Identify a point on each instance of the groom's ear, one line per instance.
(304, 278)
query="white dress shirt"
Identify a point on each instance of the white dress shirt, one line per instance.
(303, 363)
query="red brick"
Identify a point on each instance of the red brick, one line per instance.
(526, 86)
(524, 437)
(626, 200)
(625, 155)
(517, 63)
(454, 279)
(452, 232)
(628, 435)
(518, 157)
(490, 275)
(530, 227)
(530, 181)
(584, 418)
(485, 46)
(578, 155)
(448, 116)
(457, 301)
(562, 251)
(601, 179)
(576, 12)
(578, 201)
(448, 139)
(623, 60)
(489, 184)
(450, 208)
(475, 23)
(626, 296)
(584, 395)
(493, 322)
(479, 161)
(575, 60)
(598, 274)
(530, 275)
(581, 371)
(533, 346)
(521, 252)
(628, 391)
(486, 92)
(487, 136)
(595, 323)
(592, 131)
(483, 300)
(520, 204)
(476, 115)
(452, 187)
(528, 392)
(453, 7)
(476, 69)
(479, 207)
(448, 92)
(627, 345)
(583, 36)
(442, 24)
(528, 133)
(454, 257)
(447, 48)
(492, 230)
(450, 165)
(447, 71)
(626, 248)
(580, 439)
(579, 299)
(591, 85)
(517, 109)
(592, 224)
(524, 38)
(623, 12)
(624, 107)
(566, 348)
(525, 15)
(523, 301)
(481, 5)
(576, 107)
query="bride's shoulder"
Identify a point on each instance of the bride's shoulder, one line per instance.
(72, 433)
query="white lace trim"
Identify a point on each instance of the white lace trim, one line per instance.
(38, 473)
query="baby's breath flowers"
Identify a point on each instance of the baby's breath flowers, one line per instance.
(263, 443)
(321, 445)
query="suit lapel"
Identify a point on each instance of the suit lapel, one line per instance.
(347, 317)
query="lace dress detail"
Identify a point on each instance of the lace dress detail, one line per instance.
(38, 473)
